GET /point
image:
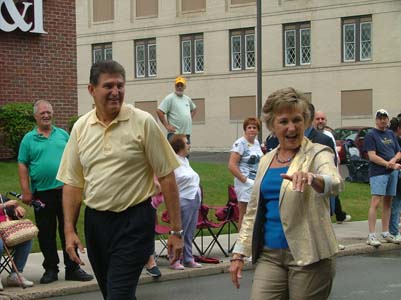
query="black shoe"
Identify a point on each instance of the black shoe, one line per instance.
(78, 275)
(154, 272)
(49, 276)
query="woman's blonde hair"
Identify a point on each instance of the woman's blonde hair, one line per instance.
(287, 98)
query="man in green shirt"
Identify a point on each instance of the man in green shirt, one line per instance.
(38, 162)
(179, 110)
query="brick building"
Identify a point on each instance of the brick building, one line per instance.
(39, 62)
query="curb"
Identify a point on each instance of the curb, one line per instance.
(63, 288)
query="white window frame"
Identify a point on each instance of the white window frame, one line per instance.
(152, 44)
(196, 41)
(285, 46)
(232, 51)
(144, 45)
(183, 57)
(344, 48)
(102, 48)
(137, 61)
(246, 51)
(301, 47)
(360, 41)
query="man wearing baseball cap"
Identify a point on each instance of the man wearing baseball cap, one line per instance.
(384, 154)
(176, 111)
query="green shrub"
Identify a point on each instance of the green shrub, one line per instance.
(16, 119)
(71, 122)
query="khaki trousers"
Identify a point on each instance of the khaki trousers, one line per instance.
(278, 277)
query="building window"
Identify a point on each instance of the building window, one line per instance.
(147, 8)
(242, 107)
(297, 40)
(145, 58)
(148, 106)
(192, 57)
(356, 104)
(242, 47)
(102, 52)
(199, 117)
(357, 39)
(103, 10)
(193, 5)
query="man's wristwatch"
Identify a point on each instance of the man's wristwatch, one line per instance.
(178, 233)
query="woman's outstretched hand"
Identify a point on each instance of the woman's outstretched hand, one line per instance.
(299, 180)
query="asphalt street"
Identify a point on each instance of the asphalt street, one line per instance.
(368, 277)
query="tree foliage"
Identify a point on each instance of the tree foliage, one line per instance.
(16, 119)
(71, 122)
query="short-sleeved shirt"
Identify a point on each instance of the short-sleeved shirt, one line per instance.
(42, 157)
(385, 144)
(178, 112)
(115, 164)
(187, 179)
(250, 156)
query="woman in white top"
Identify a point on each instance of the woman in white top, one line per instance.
(189, 191)
(243, 163)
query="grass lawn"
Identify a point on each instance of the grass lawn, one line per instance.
(215, 177)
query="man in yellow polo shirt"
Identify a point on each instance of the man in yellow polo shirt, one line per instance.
(111, 157)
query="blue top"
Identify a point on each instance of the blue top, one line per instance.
(274, 236)
(385, 144)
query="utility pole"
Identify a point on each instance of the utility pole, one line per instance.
(259, 61)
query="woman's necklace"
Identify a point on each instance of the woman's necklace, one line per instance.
(285, 161)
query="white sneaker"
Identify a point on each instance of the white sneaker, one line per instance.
(373, 241)
(12, 280)
(341, 247)
(393, 239)
(397, 239)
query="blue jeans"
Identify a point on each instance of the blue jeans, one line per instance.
(395, 215)
(21, 254)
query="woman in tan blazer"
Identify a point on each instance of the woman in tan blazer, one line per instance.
(287, 227)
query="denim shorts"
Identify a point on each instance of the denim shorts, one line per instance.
(384, 185)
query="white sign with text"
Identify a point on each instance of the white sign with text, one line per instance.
(18, 17)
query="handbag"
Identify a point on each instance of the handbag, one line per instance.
(14, 232)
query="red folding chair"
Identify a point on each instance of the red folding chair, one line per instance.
(204, 223)
(230, 214)
(161, 232)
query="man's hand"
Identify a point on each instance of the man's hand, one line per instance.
(397, 166)
(174, 248)
(27, 198)
(170, 128)
(71, 243)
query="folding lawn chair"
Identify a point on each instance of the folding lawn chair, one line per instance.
(204, 223)
(5, 261)
(230, 214)
(161, 232)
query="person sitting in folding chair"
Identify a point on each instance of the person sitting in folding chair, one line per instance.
(189, 192)
(21, 251)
